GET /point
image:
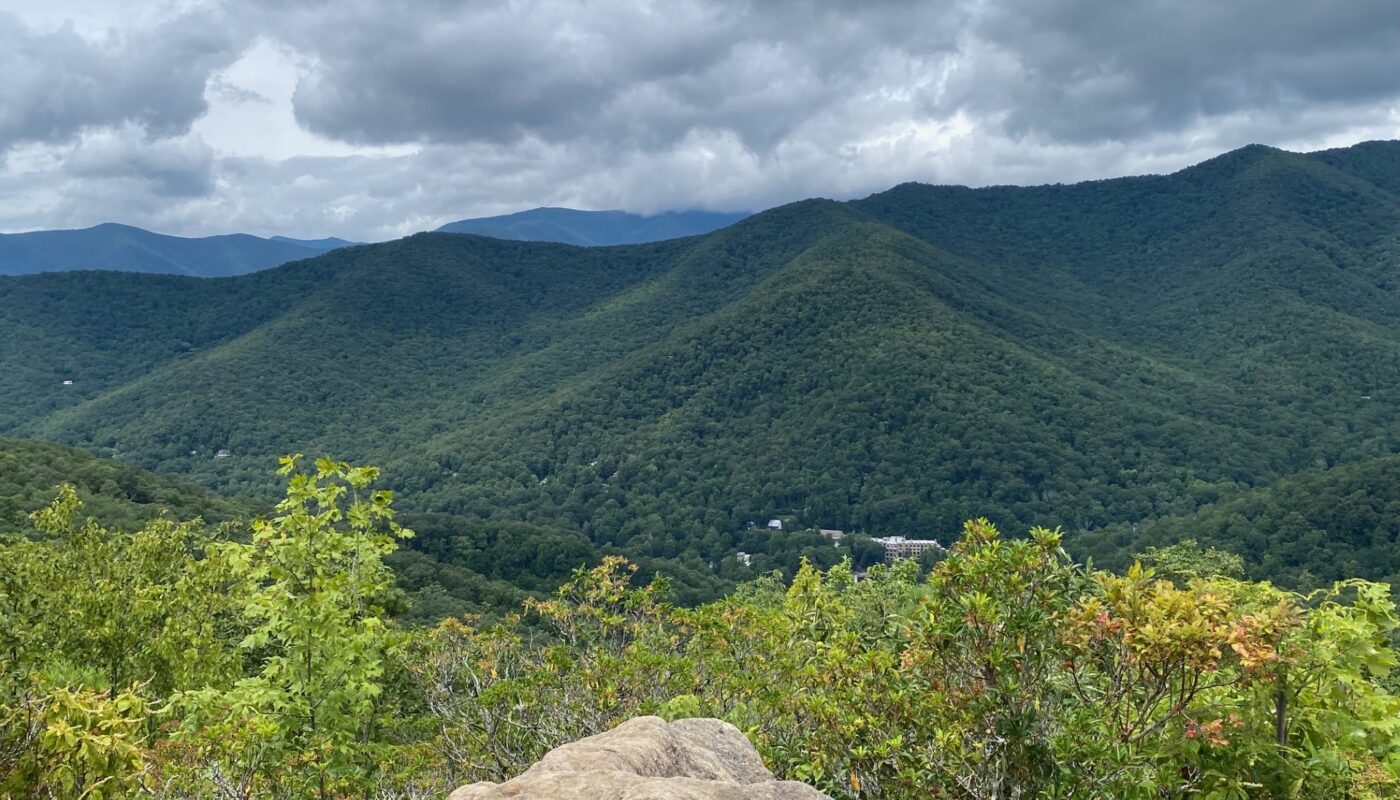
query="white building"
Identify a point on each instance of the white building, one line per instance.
(897, 547)
(775, 524)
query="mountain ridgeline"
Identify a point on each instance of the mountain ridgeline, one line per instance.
(124, 248)
(1091, 356)
(593, 228)
(127, 249)
(115, 494)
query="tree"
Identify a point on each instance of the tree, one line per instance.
(94, 624)
(1185, 560)
(312, 589)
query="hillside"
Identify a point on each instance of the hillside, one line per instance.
(115, 494)
(1305, 531)
(1086, 356)
(593, 228)
(124, 248)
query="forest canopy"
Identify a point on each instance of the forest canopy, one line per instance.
(177, 661)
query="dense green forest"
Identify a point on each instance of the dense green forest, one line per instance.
(1304, 531)
(454, 566)
(179, 661)
(117, 495)
(1092, 356)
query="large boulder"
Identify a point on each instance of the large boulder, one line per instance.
(648, 758)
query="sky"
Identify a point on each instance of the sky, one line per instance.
(372, 119)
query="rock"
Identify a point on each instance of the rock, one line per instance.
(649, 759)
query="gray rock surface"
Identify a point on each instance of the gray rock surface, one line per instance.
(649, 759)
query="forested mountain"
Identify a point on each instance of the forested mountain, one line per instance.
(116, 494)
(1091, 355)
(1304, 531)
(590, 228)
(124, 248)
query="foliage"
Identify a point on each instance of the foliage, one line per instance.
(1010, 672)
(76, 743)
(1305, 531)
(1186, 560)
(115, 494)
(174, 662)
(94, 626)
(142, 607)
(312, 587)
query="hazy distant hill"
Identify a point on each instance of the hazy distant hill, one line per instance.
(328, 243)
(1090, 356)
(124, 248)
(588, 228)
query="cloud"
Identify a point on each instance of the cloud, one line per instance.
(222, 88)
(641, 75)
(1079, 70)
(132, 164)
(119, 174)
(374, 118)
(59, 83)
(646, 75)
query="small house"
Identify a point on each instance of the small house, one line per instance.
(775, 524)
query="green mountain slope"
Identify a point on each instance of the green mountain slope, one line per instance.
(924, 403)
(1091, 355)
(117, 495)
(1304, 531)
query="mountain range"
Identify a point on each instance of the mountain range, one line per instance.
(121, 247)
(125, 248)
(593, 228)
(120, 495)
(1095, 356)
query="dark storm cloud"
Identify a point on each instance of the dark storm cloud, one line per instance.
(58, 83)
(126, 159)
(638, 74)
(1078, 70)
(643, 75)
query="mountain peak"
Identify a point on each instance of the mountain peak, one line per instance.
(593, 228)
(126, 248)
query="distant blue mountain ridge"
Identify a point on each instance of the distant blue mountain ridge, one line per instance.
(124, 248)
(328, 243)
(594, 228)
(111, 246)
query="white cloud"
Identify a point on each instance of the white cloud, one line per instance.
(374, 118)
(250, 110)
